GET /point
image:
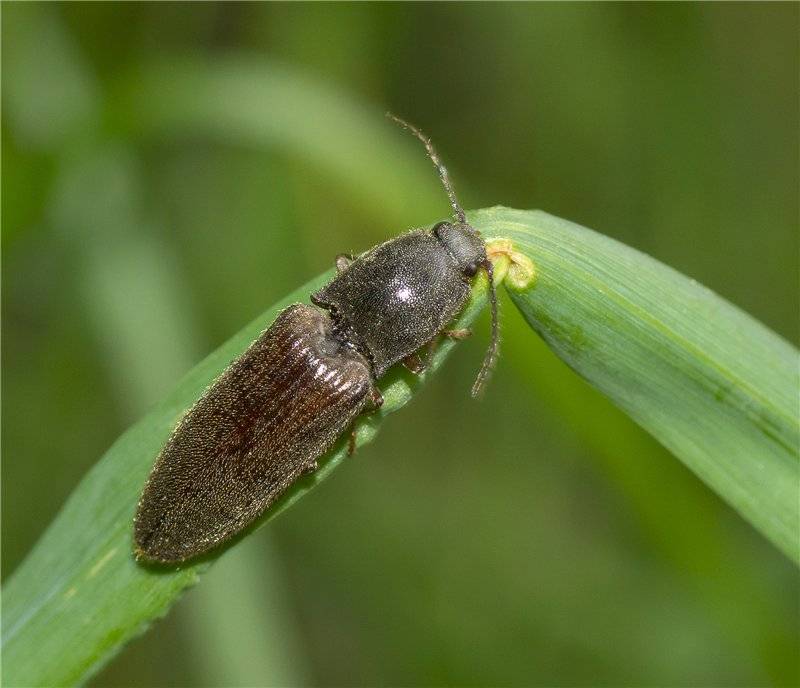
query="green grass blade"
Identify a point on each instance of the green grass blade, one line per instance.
(712, 384)
(79, 595)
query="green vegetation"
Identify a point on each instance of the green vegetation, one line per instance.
(711, 383)
(171, 170)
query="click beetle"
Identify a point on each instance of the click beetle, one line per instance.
(268, 418)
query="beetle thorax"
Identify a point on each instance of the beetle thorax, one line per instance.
(397, 297)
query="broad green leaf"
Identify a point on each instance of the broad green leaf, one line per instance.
(713, 385)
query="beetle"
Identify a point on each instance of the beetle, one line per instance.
(268, 418)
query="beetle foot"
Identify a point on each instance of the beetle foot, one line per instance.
(414, 363)
(458, 335)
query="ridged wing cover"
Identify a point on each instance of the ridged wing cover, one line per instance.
(396, 297)
(255, 431)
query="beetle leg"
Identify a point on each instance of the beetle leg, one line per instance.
(351, 443)
(414, 363)
(457, 334)
(376, 398)
(417, 364)
(431, 346)
(342, 261)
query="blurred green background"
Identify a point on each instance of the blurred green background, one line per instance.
(170, 170)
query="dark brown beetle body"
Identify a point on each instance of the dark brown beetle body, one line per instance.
(401, 294)
(284, 402)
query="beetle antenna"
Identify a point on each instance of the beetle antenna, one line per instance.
(437, 161)
(491, 353)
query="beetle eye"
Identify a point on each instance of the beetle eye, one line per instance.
(471, 269)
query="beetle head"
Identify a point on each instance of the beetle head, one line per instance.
(463, 243)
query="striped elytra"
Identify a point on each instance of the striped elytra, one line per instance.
(256, 430)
